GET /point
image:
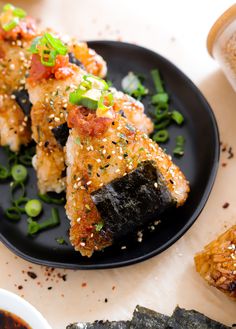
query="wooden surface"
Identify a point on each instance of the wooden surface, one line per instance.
(177, 30)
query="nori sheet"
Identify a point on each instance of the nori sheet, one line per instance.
(22, 99)
(74, 60)
(191, 319)
(61, 133)
(144, 318)
(132, 201)
(100, 325)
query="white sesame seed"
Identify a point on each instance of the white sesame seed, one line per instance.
(57, 119)
(78, 219)
(104, 152)
(101, 184)
(123, 247)
(89, 182)
(98, 160)
(155, 185)
(113, 152)
(12, 66)
(82, 244)
(117, 170)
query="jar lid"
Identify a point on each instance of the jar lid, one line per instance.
(221, 23)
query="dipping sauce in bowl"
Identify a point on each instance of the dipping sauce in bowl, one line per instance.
(9, 320)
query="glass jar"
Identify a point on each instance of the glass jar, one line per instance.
(221, 43)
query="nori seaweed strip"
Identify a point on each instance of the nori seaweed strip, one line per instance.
(182, 318)
(146, 318)
(133, 200)
(22, 99)
(61, 133)
(100, 325)
(74, 60)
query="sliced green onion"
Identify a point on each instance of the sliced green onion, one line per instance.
(18, 12)
(19, 173)
(8, 6)
(48, 57)
(162, 113)
(160, 99)
(17, 190)
(61, 240)
(15, 15)
(163, 124)
(17, 203)
(48, 199)
(33, 208)
(96, 82)
(35, 227)
(48, 47)
(132, 85)
(33, 47)
(10, 25)
(4, 172)
(179, 148)
(161, 136)
(99, 226)
(25, 159)
(177, 117)
(157, 81)
(56, 44)
(13, 213)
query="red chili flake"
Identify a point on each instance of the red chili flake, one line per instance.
(32, 275)
(113, 288)
(224, 149)
(84, 284)
(224, 164)
(225, 205)
(20, 287)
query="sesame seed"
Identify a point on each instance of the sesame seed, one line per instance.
(104, 140)
(101, 184)
(98, 160)
(57, 119)
(123, 247)
(78, 219)
(13, 97)
(12, 66)
(89, 182)
(117, 170)
(155, 185)
(104, 152)
(82, 244)
(113, 152)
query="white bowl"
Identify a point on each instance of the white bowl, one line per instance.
(17, 305)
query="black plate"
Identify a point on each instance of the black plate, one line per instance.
(199, 164)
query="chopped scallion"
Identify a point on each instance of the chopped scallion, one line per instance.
(4, 172)
(19, 173)
(35, 227)
(33, 208)
(157, 81)
(179, 148)
(132, 85)
(177, 117)
(13, 213)
(48, 199)
(161, 136)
